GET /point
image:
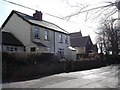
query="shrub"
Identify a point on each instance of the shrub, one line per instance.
(28, 58)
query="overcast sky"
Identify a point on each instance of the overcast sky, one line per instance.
(59, 8)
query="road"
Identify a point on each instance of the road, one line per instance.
(105, 77)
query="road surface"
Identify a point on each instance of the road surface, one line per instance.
(105, 77)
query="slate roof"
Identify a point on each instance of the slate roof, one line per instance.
(40, 44)
(76, 34)
(33, 21)
(9, 39)
(79, 42)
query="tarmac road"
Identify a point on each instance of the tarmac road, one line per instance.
(105, 77)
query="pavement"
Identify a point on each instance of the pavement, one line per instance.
(105, 77)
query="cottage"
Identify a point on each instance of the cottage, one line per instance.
(36, 34)
(82, 44)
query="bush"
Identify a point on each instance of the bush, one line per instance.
(23, 66)
(28, 58)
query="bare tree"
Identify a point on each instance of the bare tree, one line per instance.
(108, 36)
(108, 8)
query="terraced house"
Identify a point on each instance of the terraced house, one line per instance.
(36, 34)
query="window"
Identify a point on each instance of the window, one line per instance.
(11, 49)
(7, 48)
(46, 34)
(36, 33)
(15, 49)
(61, 52)
(66, 39)
(32, 49)
(60, 38)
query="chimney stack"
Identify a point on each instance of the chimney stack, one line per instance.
(38, 15)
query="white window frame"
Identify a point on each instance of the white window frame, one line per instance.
(46, 34)
(11, 49)
(36, 33)
(60, 38)
(66, 39)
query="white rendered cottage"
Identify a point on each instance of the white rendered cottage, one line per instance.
(36, 34)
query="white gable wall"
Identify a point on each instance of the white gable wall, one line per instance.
(20, 29)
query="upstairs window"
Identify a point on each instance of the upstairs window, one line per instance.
(66, 39)
(60, 38)
(36, 32)
(46, 34)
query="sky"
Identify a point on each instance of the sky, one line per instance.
(60, 8)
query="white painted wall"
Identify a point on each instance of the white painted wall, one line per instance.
(49, 43)
(70, 54)
(53, 42)
(61, 45)
(20, 29)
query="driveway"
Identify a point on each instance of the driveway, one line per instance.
(105, 77)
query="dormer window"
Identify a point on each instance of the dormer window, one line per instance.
(36, 32)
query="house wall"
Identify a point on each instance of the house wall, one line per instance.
(80, 50)
(49, 43)
(20, 29)
(70, 54)
(52, 43)
(62, 45)
(19, 48)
